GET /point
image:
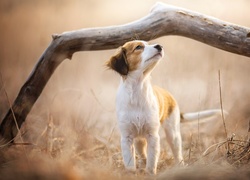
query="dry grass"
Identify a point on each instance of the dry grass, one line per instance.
(71, 132)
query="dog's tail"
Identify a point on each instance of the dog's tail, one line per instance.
(202, 115)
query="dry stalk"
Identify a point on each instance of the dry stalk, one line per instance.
(222, 111)
(240, 152)
(190, 148)
(13, 114)
(25, 144)
(49, 135)
(198, 122)
(221, 105)
(14, 117)
(218, 145)
(97, 147)
(109, 140)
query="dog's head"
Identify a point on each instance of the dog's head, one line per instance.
(136, 56)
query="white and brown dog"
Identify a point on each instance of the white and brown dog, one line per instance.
(142, 108)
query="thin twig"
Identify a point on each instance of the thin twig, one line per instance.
(190, 149)
(7, 143)
(221, 105)
(14, 117)
(111, 133)
(24, 144)
(240, 158)
(97, 147)
(222, 112)
(216, 144)
(49, 135)
(198, 138)
(109, 140)
(12, 111)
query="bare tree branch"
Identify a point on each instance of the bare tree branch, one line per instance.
(161, 21)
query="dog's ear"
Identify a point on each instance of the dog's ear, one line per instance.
(118, 62)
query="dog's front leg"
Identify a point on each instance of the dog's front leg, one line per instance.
(128, 153)
(153, 152)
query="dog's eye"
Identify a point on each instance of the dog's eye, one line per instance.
(139, 47)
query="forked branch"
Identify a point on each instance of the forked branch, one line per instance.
(161, 21)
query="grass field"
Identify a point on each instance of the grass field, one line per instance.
(71, 132)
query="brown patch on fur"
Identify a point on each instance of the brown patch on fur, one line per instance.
(133, 55)
(118, 62)
(127, 58)
(166, 103)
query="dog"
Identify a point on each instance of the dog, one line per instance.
(142, 108)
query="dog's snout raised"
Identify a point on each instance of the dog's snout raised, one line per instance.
(158, 47)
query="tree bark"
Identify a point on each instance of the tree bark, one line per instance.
(161, 21)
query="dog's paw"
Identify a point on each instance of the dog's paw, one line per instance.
(150, 171)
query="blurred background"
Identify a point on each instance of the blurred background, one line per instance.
(81, 92)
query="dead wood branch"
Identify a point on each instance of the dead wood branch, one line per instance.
(161, 21)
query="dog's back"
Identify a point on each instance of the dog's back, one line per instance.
(166, 103)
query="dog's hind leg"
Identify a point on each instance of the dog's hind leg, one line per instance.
(141, 151)
(172, 130)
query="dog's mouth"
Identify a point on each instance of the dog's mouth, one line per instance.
(157, 55)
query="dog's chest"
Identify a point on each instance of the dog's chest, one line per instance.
(137, 109)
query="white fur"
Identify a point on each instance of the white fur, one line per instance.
(138, 116)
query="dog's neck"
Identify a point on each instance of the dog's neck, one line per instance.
(138, 86)
(135, 79)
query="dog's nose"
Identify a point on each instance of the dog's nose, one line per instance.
(158, 47)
